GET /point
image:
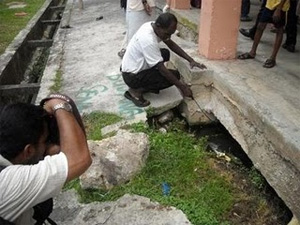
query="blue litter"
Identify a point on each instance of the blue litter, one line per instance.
(166, 188)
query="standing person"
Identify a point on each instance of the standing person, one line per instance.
(251, 32)
(291, 27)
(143, 68)
(274, 12)
(245, 11)
(138, 12)
(31, 172)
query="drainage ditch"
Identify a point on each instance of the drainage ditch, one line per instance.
(230, 159)
(21, 75)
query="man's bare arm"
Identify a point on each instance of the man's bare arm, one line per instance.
(72, 140)
(186, 91)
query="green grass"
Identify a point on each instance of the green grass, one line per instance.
(11, 25)
(57, 82)
(179, 159)
(95, 121)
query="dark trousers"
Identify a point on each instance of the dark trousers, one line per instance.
(151, 80)
(253, 29)
(291, 26)
(245, 8)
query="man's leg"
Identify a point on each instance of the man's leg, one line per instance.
(278, 41)
(291, 27)
(259, 32)
(279, 25)
(251, 32)
(245, 10)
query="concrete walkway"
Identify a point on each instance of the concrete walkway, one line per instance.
(86, 55)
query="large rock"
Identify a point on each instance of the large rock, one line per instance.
(115, 160)
(129, 209)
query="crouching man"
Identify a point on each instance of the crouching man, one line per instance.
(31, 170)
(143, 68)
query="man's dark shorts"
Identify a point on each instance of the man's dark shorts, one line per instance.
(267, 17)
(151, 80)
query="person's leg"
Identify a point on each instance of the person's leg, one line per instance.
(153, 81)
(245, 10)
(271, 62)
(135, 92)
(265, 18)
(277, 43)
(291, 27)
(251, 32)
(252, 53)
(258, 34)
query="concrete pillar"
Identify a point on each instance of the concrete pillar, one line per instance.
(180, 4)
(218, 32)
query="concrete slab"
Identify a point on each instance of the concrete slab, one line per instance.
(167, 99)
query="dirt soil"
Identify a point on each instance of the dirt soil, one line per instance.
(252, 205)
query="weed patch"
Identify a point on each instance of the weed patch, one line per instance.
(95, 121)
(207, 189)
(12, 24)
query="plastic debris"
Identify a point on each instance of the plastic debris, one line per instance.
(219, 154)
(166, 189)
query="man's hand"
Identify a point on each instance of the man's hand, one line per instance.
(186, 91)
(49, 104)
(193, 63)
(147, 8)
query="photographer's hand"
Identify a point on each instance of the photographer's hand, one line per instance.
(72, 138)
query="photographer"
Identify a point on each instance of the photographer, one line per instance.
(32, 171)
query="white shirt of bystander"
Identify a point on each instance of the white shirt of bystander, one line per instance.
(137, 5)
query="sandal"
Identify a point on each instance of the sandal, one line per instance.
(246, 55)
(269, 63)
(137, 101)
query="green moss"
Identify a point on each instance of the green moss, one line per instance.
(57, 82)
(187, 23)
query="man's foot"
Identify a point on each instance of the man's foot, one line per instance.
(246, 55)
(269, 63)
(140, 102)
(247, 33)
(245, 18)
(290, 48)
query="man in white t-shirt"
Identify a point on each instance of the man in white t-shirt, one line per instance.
(31, 170)
(143, 68)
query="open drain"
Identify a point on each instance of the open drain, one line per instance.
(21, 72)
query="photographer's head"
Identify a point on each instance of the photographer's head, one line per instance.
(165, 26)
(23, 133)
